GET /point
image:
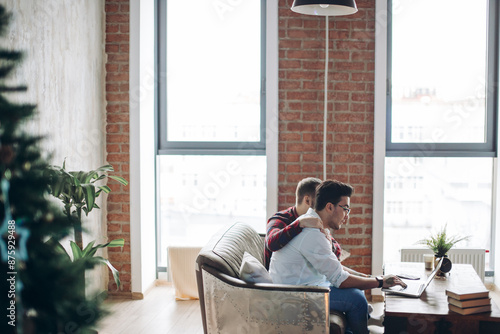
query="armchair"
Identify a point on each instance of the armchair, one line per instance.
(231, 305)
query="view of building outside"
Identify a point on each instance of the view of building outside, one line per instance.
(213, 94)
(423, 195)
(201, 194)
(438, 95)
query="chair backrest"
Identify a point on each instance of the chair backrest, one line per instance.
(225, 249)
(224, 253)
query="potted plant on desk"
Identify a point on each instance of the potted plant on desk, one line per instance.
(440, 243)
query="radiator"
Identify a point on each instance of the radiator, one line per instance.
(181, 270)
(475, 257)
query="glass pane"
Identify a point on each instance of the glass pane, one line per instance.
(424, 194)
(213, 70)
(438, 71)
(201, 194)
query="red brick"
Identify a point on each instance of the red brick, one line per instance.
(121, 157)
(111, 8)
(114, 227)
(118, 217)
(117, 18)
(113, 38)
(301, 54)
(119, 138)
(111, 48)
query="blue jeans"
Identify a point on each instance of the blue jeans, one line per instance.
(353, 303)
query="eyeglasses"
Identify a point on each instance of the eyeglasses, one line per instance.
(346, 209)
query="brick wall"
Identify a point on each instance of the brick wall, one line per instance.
(301, 72)
(117, 139)
(350, 116)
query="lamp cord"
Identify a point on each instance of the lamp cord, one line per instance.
(326, 99)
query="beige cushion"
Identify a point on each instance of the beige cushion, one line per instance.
(252, 271)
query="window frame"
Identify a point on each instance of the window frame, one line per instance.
(166, 147)
(430, 149)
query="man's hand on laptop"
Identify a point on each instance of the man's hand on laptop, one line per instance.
(392, 280)
(312, 222)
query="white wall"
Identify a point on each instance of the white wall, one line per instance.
(379, 139)
(64, 71)
(272, 106)
(142, 146)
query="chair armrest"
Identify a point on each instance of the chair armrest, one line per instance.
(264, 286)
(231, 304)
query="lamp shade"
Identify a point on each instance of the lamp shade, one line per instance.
(325, 7)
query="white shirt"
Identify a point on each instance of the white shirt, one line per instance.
(307, 259)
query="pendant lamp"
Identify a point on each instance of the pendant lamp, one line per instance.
(325, 8)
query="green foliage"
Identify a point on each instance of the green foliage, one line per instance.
(45, 283)
(441, 243)
(78, 192)
(78, 189)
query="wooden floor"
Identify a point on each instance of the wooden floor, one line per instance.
(157, 313)
(160, 313)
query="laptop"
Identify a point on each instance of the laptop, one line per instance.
(413, 288)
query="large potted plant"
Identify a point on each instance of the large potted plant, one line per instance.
(78, 191)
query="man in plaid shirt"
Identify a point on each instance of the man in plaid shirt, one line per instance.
(284, 225)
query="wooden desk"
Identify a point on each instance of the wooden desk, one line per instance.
(429, 313)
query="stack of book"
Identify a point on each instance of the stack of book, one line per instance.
(470, 300)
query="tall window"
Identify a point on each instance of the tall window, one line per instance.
(441, 121)
(211, 122)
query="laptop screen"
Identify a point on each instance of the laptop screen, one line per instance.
(434, 272)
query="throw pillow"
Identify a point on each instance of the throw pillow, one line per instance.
(252, 271)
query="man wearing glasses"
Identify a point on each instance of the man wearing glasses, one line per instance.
(308, 259)
(283, 226)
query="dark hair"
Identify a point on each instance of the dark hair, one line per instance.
(305, 187)
(331, 191)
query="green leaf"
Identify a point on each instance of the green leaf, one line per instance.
(116, 274)
(105, 168)
(112, 243)
(119, 179)
(117, 243)
(77, 252)
(76, 178)
(102, 176)
(105, 188)
(89, 193)
(88, 248)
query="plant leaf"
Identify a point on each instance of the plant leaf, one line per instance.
(89, 194)
(105, 188)
(116, 274)
(105, 168)
(117, 243)
(102, 176)
(119, 179)
(77, 252)
(112, 243)
(88, 248)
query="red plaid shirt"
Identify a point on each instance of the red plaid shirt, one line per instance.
(283, 227)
